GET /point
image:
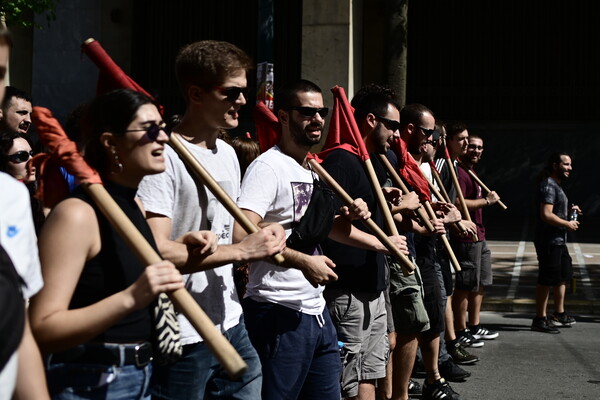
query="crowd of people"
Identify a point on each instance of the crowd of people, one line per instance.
(339, 318)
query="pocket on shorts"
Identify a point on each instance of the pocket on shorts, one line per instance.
(410, 315)
(466, 278)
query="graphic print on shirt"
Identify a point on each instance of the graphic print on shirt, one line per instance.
(302, 193)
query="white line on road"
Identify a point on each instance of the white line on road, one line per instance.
(584, 277)
(516, 272)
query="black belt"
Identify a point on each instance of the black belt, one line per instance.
(138, 354)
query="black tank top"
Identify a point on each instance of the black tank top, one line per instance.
(115, 268)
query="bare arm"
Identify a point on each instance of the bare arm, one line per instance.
(316, 269)
(181, 252)
(31, 379)
(491, 198)
(550, 218)
(344, 232)
(71, 237)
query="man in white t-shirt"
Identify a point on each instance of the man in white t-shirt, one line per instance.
(212, 76)
(284, 307)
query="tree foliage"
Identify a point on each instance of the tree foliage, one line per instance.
(20, 12)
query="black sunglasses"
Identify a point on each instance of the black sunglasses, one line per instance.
(427, 132)
(474, 146)
(153, 130)
(310, 112)
(389, 123)
(232, 93)
(431, 142)
(20, 156)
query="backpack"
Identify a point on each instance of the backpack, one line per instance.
(12, 317)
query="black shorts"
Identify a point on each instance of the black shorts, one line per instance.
(433, 296)
(446, 274)
(555, 264)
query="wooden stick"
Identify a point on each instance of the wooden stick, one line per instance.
(480, 183)
(400, 184)
(443, 196)
(431, 214)
(459, 194)
(216, 190)
(405, 263)
(438, 180)
(216, 342)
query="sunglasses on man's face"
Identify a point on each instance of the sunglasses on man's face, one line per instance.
(153, 130)
(310, 112)
(474, 146)
(390, 123)
(232, 93)
(426, 132)
(20, 156)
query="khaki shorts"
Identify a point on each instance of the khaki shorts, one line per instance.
(406, 298)
(361, 323)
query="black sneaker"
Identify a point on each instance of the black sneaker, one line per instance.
(415, 390)
(562, 320)
(542, 324)
(479, 332)
(459, 354)
(467, 340)
(439, 390)
(452, 372)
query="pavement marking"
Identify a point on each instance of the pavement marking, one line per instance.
(516, 272)
(583, 274)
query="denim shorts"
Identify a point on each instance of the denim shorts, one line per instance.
(80, 380)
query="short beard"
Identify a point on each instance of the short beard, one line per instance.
(300, 137)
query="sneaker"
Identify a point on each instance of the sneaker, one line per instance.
(562, 320)
(542, 324)
(465, 338)
(452, 372)
(479, 332)
(439, 390)
(459, 354)
(414, 389)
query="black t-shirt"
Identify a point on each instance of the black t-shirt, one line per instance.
(550, 192)
(357, 269)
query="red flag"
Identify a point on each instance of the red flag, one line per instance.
(343, 130)
(410, 171)
(268, 129)
(111, 75)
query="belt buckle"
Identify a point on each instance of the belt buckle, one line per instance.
(143, 354)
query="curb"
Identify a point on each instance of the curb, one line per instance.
(528, 305)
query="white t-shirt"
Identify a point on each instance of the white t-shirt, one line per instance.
(191, 207)
(426, 169)
(278, 189)
(17, 233)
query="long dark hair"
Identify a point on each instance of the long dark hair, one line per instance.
(111, 112)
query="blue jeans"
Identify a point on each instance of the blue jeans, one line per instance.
(299, 352)
(198, 374)
(70, 381)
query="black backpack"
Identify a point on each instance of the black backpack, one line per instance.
(316, 223)
(12, 317)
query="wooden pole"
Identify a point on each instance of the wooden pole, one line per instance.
(443, 196)
(216, 190)
(480, 183)
(405, 263)
(216, 342)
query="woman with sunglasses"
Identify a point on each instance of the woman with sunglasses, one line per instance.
(93, 318)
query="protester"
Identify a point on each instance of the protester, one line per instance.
(417, 124)
(473, 255)
(212, 76)
(94, 316)
(552, 224)
(15, 111)
(308, 353)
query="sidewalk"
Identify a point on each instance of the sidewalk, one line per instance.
(514, 266)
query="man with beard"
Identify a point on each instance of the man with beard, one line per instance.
(474, 256)
(15, 113)
(281, 304)
(357, 300)
(212, 76)
(552, 224)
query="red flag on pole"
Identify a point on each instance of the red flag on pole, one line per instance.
(111, 75)
(268, 129)
(343, 130)
(410, 171)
